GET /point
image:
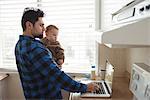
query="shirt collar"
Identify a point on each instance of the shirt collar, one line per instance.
(26, 37)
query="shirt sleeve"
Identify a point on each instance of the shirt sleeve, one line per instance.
(42, 61)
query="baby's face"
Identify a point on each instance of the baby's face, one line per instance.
(52, 35)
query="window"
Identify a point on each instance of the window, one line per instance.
(10, 28)
(74, 18)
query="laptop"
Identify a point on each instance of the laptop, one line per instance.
(105, 85)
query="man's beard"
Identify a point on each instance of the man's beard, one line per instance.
(39, 36)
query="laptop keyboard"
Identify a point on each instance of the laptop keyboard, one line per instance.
(101, 89)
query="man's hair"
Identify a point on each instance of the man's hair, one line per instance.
(31, 14)
(49, 27)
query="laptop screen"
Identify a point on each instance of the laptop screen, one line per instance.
(109, 73)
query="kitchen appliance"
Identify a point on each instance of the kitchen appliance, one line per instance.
(130, 26)
(140, 81)
(135, 10)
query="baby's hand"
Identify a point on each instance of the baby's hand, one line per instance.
(60, 61)
(59, 66)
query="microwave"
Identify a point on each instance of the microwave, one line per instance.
(134, 10)
(130, 26)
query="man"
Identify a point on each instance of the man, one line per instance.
(40, 76)
(51, 42)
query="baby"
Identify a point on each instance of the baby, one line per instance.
(50, 41)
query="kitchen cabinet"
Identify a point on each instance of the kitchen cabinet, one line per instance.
(11, 88)
(3, 86)
(11, 85)
(136, 34)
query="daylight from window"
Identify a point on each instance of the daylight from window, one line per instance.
(74, 18)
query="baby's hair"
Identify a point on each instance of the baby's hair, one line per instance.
(49, 27)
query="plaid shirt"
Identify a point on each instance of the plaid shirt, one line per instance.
(40, 76)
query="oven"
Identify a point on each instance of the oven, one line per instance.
(140, 81)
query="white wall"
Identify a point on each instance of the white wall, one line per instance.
(140, 55)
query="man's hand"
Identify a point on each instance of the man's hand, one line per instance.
(92, 87)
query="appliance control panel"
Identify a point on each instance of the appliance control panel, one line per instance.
(136, 12)
(147, 92)
(140, 81)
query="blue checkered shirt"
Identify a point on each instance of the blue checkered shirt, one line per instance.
(40, 76)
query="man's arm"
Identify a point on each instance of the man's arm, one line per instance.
(45, 65)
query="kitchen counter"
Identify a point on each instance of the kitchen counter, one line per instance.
(5, 70)
(3, 76)
(120, 91)
(3, 86)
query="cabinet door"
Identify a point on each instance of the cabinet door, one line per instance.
(3, 88)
